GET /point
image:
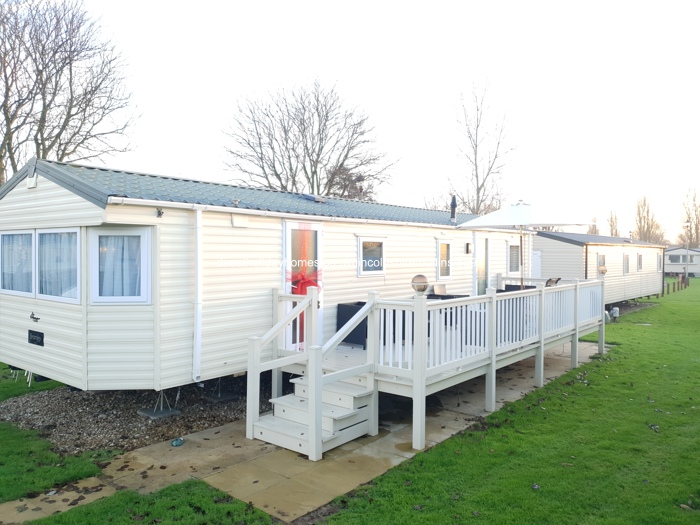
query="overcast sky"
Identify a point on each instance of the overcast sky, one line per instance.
(601, 99)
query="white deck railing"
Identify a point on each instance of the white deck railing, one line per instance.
(457, 329)
(418, 340)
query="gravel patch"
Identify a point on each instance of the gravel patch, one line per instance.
(76, 421)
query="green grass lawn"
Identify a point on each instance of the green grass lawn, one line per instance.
(27, 464)
(612, 442)
(17, 386)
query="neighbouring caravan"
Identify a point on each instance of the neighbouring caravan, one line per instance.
(680, 260)
(114, 280)
(630, 268)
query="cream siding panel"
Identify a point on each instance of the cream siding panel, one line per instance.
(61, 358)
(408, 250)
(560, 259)
(120, 342)
(46, 206)
(175, 297)
(242, 265)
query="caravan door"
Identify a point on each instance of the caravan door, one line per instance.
(302, 269)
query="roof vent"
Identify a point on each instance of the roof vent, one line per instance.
(315, 198)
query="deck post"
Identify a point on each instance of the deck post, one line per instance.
(577, 310)
(373, 338)
(492, 313)
(278, 343)
(601, 330)
(315, 377)
(311, 318)
(253, 387)
(539, 356)
(420, 363)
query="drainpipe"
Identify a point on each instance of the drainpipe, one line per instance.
(198, 258)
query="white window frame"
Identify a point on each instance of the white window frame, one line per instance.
(78, 291)
(94, 256)
(659, 262)
(625, 264)
(509, 257)
(361, 271)
(438, 257)
(32, 267)
(640, 263)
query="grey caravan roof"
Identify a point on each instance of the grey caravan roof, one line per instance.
(98, 184)
(581, 239)
(682, 249)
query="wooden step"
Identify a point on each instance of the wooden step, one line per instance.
(295, 436)
(334, 418)
(338, 394)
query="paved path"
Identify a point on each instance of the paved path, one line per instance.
(283, 483)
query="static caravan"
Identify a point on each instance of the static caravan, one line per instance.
(679, 259)
(113, 280)
(630, 268)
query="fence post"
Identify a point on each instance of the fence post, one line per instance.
(420, 363)
(577, 311)
(315, 377)
(373, 338)
(539, 356)
(492, 313)
(601, 330)
(253, 387)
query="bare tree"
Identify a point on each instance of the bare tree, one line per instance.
(479, 191)
(593, 228)
(306, 141)
(612, 223)
(63, 95)
(646, 227)
(691, 230)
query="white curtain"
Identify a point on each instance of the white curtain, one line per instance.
(58, 264)
(17, 262)
(120, 265)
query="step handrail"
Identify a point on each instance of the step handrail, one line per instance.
(256, 344)
(281, 325)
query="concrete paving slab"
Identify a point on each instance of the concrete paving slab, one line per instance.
(291, 499)
(286, 463)
(55, 500)
(245, 480)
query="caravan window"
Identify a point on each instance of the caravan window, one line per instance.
(513, 258)
(370, 256)
(57, 265)
(625, 264)
(120, 265)
(444, 262)
(17, 262)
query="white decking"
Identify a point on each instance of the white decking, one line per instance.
(417, 347)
